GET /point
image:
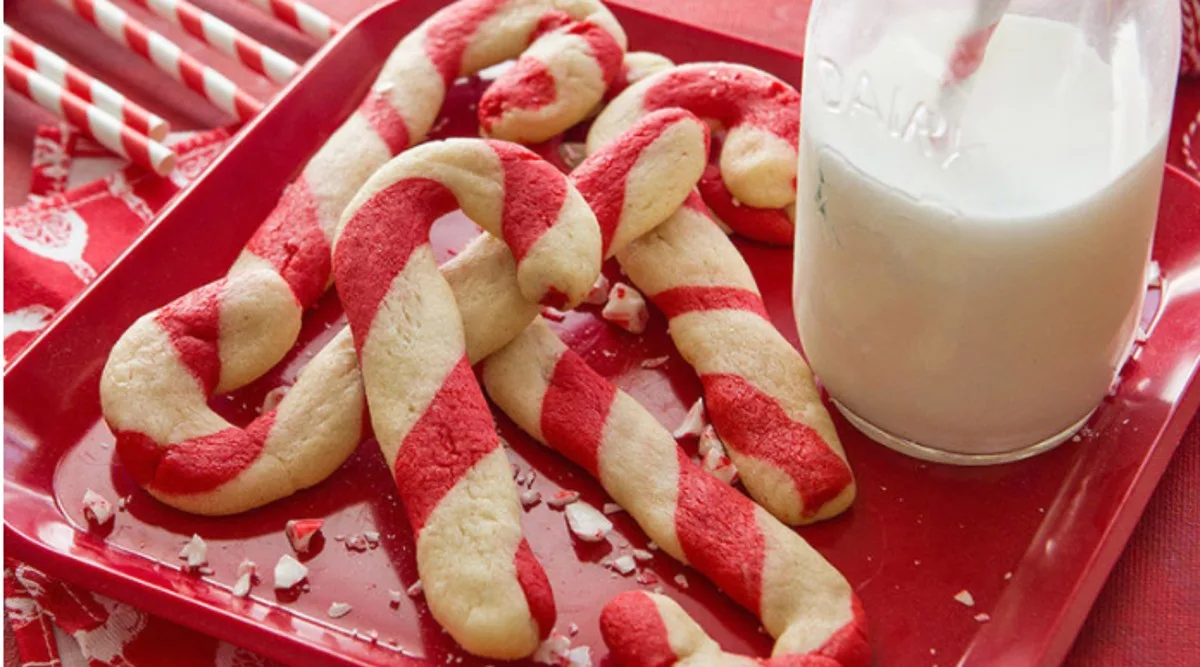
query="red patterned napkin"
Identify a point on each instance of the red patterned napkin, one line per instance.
(67, 233)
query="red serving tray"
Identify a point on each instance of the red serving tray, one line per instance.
(1032, 541)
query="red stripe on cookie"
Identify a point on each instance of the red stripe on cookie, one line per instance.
(197, 465)
(685, 299)
(594, 178)
(575, 409)
(534, 192)
(849, 646)
(719, 534)
(635, 633)
(732, 96)
(447, 38)
(291, 239)
(193, 324)
(386, 121)
(755, 425)
(453, 434)
(536, 586)
(528, 85)
(769, 225)
(378, 240)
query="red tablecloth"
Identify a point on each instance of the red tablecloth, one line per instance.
(1149, 612)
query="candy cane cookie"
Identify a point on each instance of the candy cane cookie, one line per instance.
(632, 185)
(481, 581)
(761, 116)
(398, 112)
(155, 386)
(766, 567)
(758, 391)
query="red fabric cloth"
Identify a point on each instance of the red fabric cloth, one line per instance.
(1148, 613)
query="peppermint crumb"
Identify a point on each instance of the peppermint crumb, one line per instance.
(652, 545)
(416, 589)
(530, 498)
(1007, 576)
(965, 598)
(624, 564)
(641, 554)
(681, 581)
(655, 362)
(562, 499)
(612, 508)
(338, 609)
(572, 629)
(983, 617)
(394, 597)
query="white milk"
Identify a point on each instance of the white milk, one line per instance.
(975, 299)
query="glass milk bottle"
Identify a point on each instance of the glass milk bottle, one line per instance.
(978, 187)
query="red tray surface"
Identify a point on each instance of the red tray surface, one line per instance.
(1031, 541)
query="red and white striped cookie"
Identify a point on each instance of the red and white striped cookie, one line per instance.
(632, 185)
(647, 630)
(761, 116)
(481, 581)
(397, 113)
(556, 82)
(762, 564)
(758, 390)
(155, 386)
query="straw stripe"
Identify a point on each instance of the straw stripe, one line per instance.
(79, 83)
(89, 118)
(119, 26)
(301, 16)
(224, 38)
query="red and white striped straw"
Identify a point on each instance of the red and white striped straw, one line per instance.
(303, 17)
(96, 123)
(224, 38)
(972, 46)
(166, 55)
(57, 69)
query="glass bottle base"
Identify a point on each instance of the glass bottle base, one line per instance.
(919, 451)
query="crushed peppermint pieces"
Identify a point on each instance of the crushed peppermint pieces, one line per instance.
(96, 508)
(195, 552)
(552, 651)
(626, 308)
(289, 572)
(693, 422)
(965, 598)
(245, 573)
(394, 597)
(530, 498)
(300, 533)
(681, 581)
(983, 617)
(272, 398)
(572, 629)
(713, 459)
(415, 590)
(624, 564)
(580, 656)
(357, 542)
(338, 609)
(562, 499)
(654, 362)
(587, 523)
(598, 296)
(641, 554)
